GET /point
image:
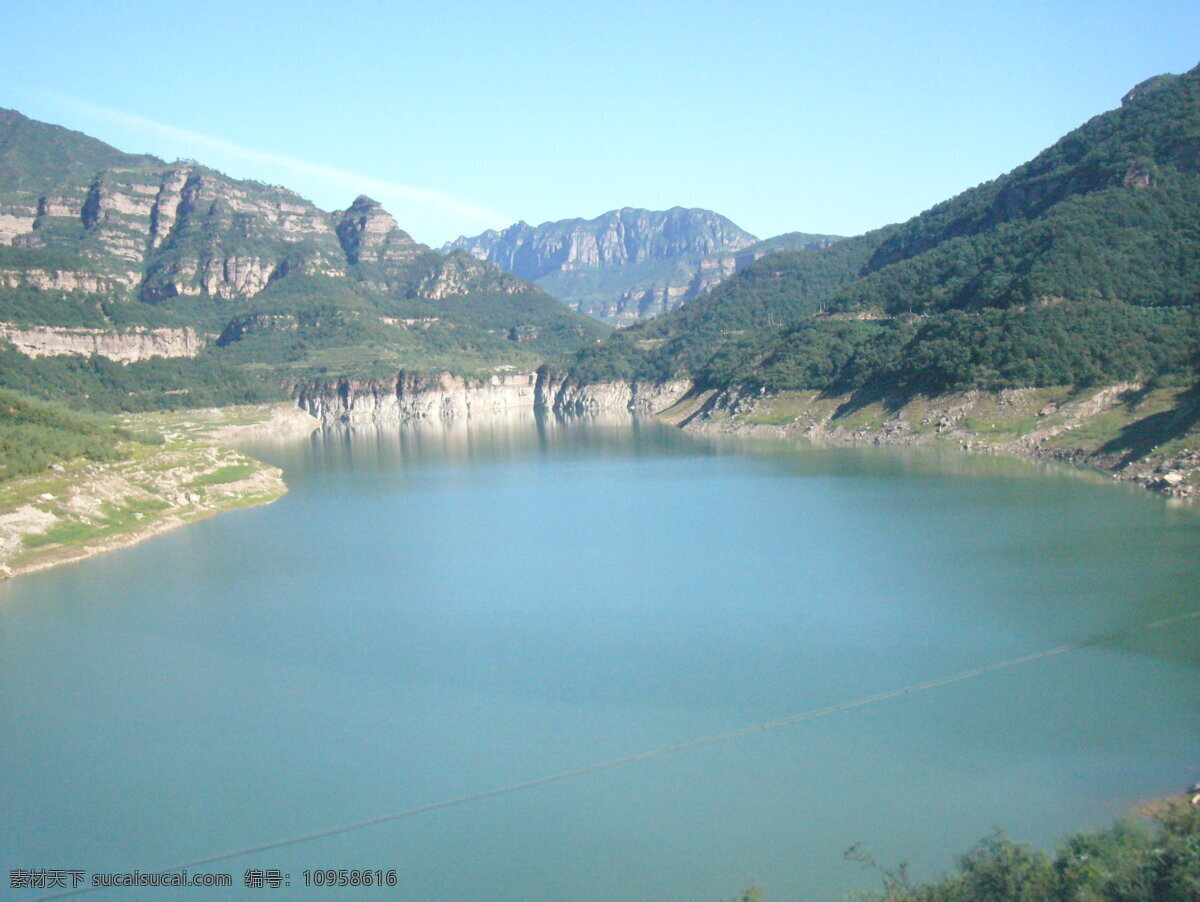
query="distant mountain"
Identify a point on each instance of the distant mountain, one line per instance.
(627, 264)
(265, 283)
(1080, 266)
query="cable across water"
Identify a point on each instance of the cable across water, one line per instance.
(659, 752)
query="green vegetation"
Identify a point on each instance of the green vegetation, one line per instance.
(1079, 267)
(112, 520)
(34, 435)
(153, 472)
(97, 383)
(1129, 862)
(226, 474)
(36, 157)
(1071, 343)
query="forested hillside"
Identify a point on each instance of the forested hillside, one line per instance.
(1078, 267)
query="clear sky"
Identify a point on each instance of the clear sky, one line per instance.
(823, 117)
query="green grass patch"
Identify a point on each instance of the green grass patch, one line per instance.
(229, 473)
(116, 519)
(69, 533)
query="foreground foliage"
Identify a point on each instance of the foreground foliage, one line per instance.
(1129, 862)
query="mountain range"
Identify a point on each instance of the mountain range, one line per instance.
(629, 264)
(185, 286)
(238, 283)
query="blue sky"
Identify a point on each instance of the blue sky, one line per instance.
(822, 117)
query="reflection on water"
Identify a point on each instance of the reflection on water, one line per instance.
(442, 608)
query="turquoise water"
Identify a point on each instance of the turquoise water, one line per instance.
(433, 612)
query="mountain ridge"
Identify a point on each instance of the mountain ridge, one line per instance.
(630, 263)
(1094, 236)
(277, 289)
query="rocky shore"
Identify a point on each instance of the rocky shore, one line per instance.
(1133, 433)
(79, 509)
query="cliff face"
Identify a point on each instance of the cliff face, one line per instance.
(157, 231)
(167, 230)
(560, 394)
(620, 266)
(615, 238)
(124, 347)
(389, 402)
(407, 397)
(629, 264)
(369, 234)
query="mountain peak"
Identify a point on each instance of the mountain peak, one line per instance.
(369, 234)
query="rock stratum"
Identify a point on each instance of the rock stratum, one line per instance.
(123, 347)
(409, 397)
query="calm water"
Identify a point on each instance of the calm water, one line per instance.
(431, 613)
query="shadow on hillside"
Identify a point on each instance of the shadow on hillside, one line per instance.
(1141, 437)
(891, 398)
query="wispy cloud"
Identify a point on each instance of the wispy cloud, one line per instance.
(349, 183)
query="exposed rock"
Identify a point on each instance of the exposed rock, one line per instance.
(15, 525)
(86, 219)
(459, 274)
(978, 421)
(271, 421)
(125, 347)
(369, 234)
(409, 397)
(156, 492)
(559, 394)
(625, 244)
(14, 222)
(64, 280)
(618, 237)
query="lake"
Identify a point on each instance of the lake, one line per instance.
(438, 611)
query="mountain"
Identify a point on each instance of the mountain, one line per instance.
(1078, 267)
(627, 264)
(238, 283)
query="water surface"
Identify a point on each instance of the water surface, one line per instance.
(436, 611)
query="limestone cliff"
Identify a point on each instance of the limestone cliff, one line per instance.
(380, 402)
(561, 394)
(620, 266)
(629, 264)
(125, 347)
(368, 233)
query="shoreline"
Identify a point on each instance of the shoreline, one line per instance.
(80, 509)
(1124, 431)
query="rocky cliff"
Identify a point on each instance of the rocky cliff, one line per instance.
(629, 264)
(622, 265)
(616, 238)
(561, 394)
(124, 347)
(407, 397)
